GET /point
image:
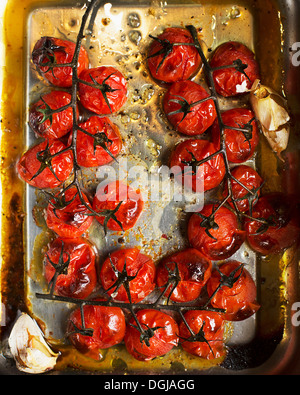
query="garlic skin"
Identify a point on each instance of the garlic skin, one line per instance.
(270, 110)
(29, 348)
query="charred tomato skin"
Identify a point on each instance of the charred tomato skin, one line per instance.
(238, 301)
(138, 265)
(80, 279)
(230, 82)
(165, 337)
(194, 270)
(181, 63)
(52, 50)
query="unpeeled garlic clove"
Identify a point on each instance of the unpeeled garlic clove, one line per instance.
(29, 348)
(270, 110)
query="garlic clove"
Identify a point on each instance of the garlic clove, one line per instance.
(29, 348)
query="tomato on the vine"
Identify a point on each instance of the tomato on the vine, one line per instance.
(186, 272)
(53, 57)
(238, 79)
(207, 339)
(70, 264)
(240, 144)
(67, 215)
(128, 270)
(274, 224)
(102, 90)
(103, 327)
(43, 166)
(158, 336)
(188, 108)
(101, 145)
(185, 160)
(232, 288)
(172, 56)
(47, 120)
(119, 204)
(215, 233)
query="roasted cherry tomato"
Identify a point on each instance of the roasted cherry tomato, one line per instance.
(158, 336)
(216, 235)
(67, 216)
(187, 273)
(240, 145)
(275, 225)
(70, 264)
(50, 53)
(128, 267)
(185, 160)
(233, 290)
(102, 90)
(246, 186)
(120, 204)
(103, 327)
(101, 149)
(236, 80)
(40, 169)
(185, 109)
(172, 56)
(206, 340)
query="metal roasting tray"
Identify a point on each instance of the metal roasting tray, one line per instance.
(268, 342)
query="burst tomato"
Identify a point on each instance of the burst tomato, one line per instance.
(185, 160)
(206, 341)
(103, 327)
(128, 267)
(240, 145)
(234, 81)
(120, 204)
(50, 54)
(172, 56)
(186, 108)
(47, 120)
(246, 184)
(71, 262)
(159, 335)
(100, 149)
(102, 90)
(67, 216)
(42, 166)
(187, 273)
(217, 236)
(233, 291)
(275, 225)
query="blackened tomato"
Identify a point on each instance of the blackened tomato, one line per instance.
(170, 63)
(189, 270)
(121, 205)
(275, 225)
(47, 120)
(208, 334)
(232, 81)
(102, 90)
(50, 54)
(246, 186)
(240, 145)
(66, 214)
(237, 296)
(187, 109)
(72, 263)
(159, 335)
(107, 328)
(100, 149)
(217, 236)
(140, 273)
(184, 163)
(42, 166)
